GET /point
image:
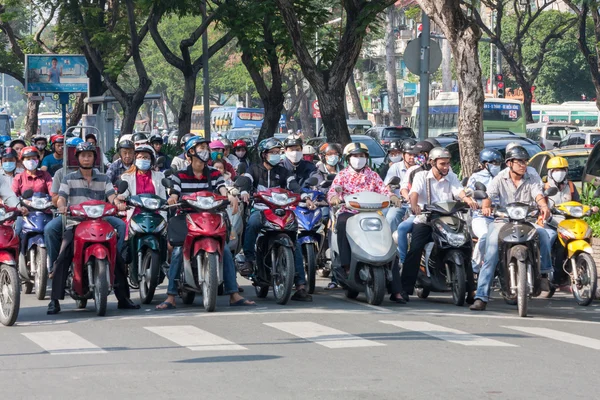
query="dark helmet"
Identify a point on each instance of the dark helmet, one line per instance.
(85, 146)
(139, 138)
(490, 155)
(185, 138)
(226, 143)
(408, 144)
(422, 147)
(145, 148)
(15, 141)
(434, 142)
(8, 153)
(126, 144)
(396, 145)
(91, 135)
(292, 140)
(155, 138)
(517, 153)
(268, 144)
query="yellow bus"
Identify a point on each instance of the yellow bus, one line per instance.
(198, 119)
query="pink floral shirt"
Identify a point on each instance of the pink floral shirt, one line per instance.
(353, 182)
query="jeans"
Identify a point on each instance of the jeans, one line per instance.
(404, 229)
(488, 269)
(229, 278)
(250, 238)
(394, 216)
(480, 227)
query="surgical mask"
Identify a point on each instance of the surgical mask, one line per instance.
(9, 166)
(240, 154)
(203, 155)
(332, 160)
(142, 164)
(294, 156)
(395, 159)
(559, 175)
(274, 159)
(494, 169)
(420, 159)
(30, 164)
(216, 155)
(41, 147)
(358, 163)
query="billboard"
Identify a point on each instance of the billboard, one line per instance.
(56, 73)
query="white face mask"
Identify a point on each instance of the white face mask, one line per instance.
(395, 159)
(31, 165)
(358, 163)
(494, 169)
(294, 156)
(559, 175)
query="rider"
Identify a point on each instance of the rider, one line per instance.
(227, 156)
(117, 168)
(331, 161)
(91, 138)
(217, 149)
(41, 143)
(60, 173)
(513, 184)
(490, 161)
(400, 155)
(558, 169)
(139, 139)
(393, 156)
(9, 164)
(240, 148)
(180, 162)
(293, 161)
(199, 176)
(54, 161)
(309, 153)
(156, 142)
(265, 175)
(141, 178)
(77, 187)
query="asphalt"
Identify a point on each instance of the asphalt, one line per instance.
(333, 348)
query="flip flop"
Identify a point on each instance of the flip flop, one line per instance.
(242, 303)
(165, 306)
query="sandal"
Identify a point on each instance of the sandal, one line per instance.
(242, 303)
(165, 305)
(332, 286)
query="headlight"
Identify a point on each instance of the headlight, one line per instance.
(94, 211)
(135, 227)
(517, 212)
(40, 203)
(160, 226)
(456, 239)
(205, 203)
(565, 233)
(5, 215)
(575, 211)
(371, 224)
(280, 199)
(150, 203)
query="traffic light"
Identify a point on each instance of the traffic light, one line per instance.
(500, 86)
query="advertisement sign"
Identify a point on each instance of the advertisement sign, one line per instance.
(410, 89)
(56, 73)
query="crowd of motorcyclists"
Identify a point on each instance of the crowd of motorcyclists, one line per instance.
(430, 213)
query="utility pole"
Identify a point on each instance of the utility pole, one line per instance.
(491, 90)
(205, 76)
(424, 79)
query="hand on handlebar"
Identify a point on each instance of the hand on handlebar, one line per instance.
(545, 213)
(486, 211)
(310, 204)
(472, 203)
(334, 201)
(245, 196)
(62, 210)
(24, 211)
(416, 210)
(172, 200)
(396, 202)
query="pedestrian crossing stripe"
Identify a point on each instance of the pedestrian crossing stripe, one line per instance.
(323, 335)
(560, 336)
(63, 342)
(195, 339)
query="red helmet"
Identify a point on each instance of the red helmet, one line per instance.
(57, 139)
(240, 144)
(29, 151)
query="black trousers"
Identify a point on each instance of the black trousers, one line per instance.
(63, 263)
(342, 239)
(421, 235)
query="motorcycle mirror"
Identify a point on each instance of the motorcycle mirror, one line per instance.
(168, 173)
(166, 182)
(480, 195)
(160, 161)
(325, 184)
(331, 177)
(480, 186)
(395, 181)
(310, 182)
(27, 194)
(464, 181)
(122, 187)
(339, 189)
(551, 191)
(242, 183)
(241, 169)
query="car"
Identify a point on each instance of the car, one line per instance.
(576, 157)
(355, 127)
(376, 152)
(548, 134)
(238, 133)
(387, 134)
(452, 137)
(580, 139)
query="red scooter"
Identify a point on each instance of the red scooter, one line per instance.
(92, 272)
(10, 294)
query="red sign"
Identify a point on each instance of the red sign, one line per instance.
(315, 105)
(316, 114)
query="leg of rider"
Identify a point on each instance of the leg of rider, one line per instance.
(421, 235)
(53, 238)
(175, 270)
(403, 230)
(229, 274)
(394, 216)
(480, 229)
(250, 236)
(300, 275)
(121, 285)
(488, 269)
(342, 240)
(547, 237)
(120, 227)
(61, 267)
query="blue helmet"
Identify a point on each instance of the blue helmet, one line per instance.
(5, 138)
(490, 155)
(74, 141)
(194, 141)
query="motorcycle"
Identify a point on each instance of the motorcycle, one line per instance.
(275, 245)
(10, 293)
(206, 229)
(373, 249)
(573, 252)
(33, 258)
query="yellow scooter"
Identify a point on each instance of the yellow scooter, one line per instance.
(573, 251)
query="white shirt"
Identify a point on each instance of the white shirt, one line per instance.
(404, 183)
(446, 189)
(397, 169)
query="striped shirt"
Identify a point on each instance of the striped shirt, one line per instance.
(75, 189)
(186, 182)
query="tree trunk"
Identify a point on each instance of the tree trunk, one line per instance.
(527, 99)
(446, 66)
(356, 104)
(333, 116)
(96, 85)
(31, 119)
(305, 118)
(390, 70)
(187, 103)
(273, 107)
(163, 110)
(77, 112)
(129, 118)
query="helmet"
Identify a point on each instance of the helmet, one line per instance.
(139, 138)
(269, 144)
(38, 137)
(408, 144)
(557, 163)
(517, 153)
(194, 141)
(8, 153)
(184, 139)
(309, 150)
(85, 146)
(292, 140)
(145, 148)
(240, 144)
(126, 144)
(490, 155)
(29, 151)
(57, 139)
(226, 143)
(511, 145)
(15, 141)
(422, 147)
(395, 145)
(438, 152)
(355, 148)
(434, 142)
(217, 144)
(326, 147)
(74, 141)
(155, 138)
(4, 138)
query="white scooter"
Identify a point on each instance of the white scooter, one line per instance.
(373, 251)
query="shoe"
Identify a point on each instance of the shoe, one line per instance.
(302, 295)
(247, 269)
(544, 283)
(405, 296)
(53, 307)
(479, 305)
(470, 299)
(128, 305)
(399, 300)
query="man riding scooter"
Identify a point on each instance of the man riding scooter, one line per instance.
(294, 161)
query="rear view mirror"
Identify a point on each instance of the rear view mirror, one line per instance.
(331, 177)
(464, 181)
(243, 183)
(597, 192)
(480, 186)
(480, 195)
(339, 189)
(27, 194)
(551, 191)
(167, 183)
(325, 184)
(310, 182)
(160, 161)
(122, 187)
(168, 173)
(241, 169)
(395, 181)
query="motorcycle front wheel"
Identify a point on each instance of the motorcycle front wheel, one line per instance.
(149, 275)
(100, 286)
(210, 285)
(282, 273)
(459, 284)
(10, 295)
(375, 288)
(522, 289)
(310, 266)
(41, 272)
(587, 280)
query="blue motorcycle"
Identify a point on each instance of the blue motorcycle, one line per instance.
(33, 258)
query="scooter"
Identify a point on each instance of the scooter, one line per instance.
(373, 249)
(10, 290)
(275, 245)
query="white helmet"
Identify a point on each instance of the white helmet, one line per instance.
(439, 152)
(307, 149)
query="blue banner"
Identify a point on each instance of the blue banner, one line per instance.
(56, 73)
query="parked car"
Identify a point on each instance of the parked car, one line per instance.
(548, 134)
(591, 172)
(577, 158)
(355, 127)
(387, 134)
(580, 139)
(376, 152)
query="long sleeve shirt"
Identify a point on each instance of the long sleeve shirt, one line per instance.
(353, 182)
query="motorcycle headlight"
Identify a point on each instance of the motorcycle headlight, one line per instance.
(161, 226)
(40, 203)
(456, 239)
(575, 211)
(280, 199)
(150, 203)
(205, 203)
(371, 224)
(5, 215)
(94, 211)
(517, 213)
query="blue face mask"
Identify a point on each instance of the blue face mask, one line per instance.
(216, 155)
(9, 166)
(143, 165)
(274, 159)
(494, 169)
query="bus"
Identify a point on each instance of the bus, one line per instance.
(198, 119)
(584, 114)
(49, 123)
(226, 118)
(498, 115)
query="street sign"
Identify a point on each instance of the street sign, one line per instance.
(315, 105)
(316, 114)
(412, 56)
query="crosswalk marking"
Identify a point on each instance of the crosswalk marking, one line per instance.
(63, 342)
(194, 338)
(560, 336)
(323, 335)
(447, 334)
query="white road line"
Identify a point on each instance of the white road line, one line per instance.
(323, 335)
(447, 334)
(560, 336)
(194, 338)
(63, 342)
